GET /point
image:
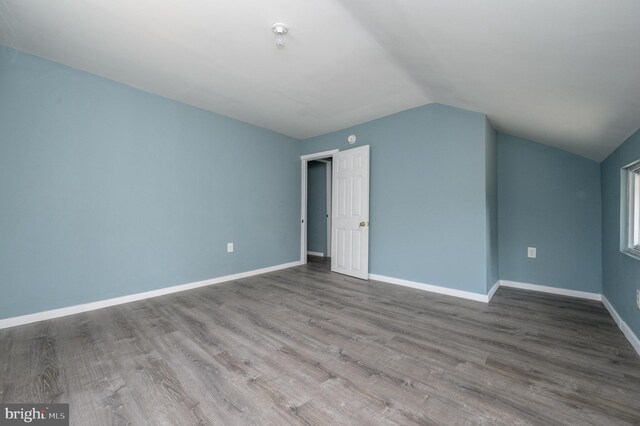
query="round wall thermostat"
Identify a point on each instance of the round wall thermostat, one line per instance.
(351, 139)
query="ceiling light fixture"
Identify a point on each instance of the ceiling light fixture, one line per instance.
(280, 30)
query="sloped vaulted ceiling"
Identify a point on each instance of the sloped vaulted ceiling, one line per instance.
(565, 73)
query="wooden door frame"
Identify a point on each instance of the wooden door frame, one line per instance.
(303, 199)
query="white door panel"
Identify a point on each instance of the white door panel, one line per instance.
(350, 212)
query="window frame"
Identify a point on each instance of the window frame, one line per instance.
(630, 210)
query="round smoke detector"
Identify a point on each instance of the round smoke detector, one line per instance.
(351, 139)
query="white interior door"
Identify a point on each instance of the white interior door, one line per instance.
(350, 213)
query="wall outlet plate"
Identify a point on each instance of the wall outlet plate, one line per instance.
(229, 247)
(531, 252)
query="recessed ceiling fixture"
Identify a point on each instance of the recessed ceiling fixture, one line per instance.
(280, 30)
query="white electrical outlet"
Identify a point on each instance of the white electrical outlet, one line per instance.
(531, 252)
(229, 247)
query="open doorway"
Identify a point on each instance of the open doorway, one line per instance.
(316, 200)
(349, 217)
(319, 208)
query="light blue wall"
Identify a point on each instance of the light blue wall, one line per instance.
(491, 192)
(427, 200)
(317, 207)
(621, 273)
(548, 199)
(108, 191)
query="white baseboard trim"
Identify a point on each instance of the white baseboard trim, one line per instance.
(553, 290)
(626, 330)
(432, 288)
(493, 290)
(315, 253)
(85, 307)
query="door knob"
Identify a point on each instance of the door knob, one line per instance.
(363, 224)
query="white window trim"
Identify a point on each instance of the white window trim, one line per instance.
(630, 210)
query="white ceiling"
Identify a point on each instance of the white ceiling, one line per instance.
(565, 73)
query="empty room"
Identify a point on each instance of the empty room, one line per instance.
(339, 212)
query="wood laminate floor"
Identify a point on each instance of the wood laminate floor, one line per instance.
(304, 346)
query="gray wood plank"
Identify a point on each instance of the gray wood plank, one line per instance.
(305, 346)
